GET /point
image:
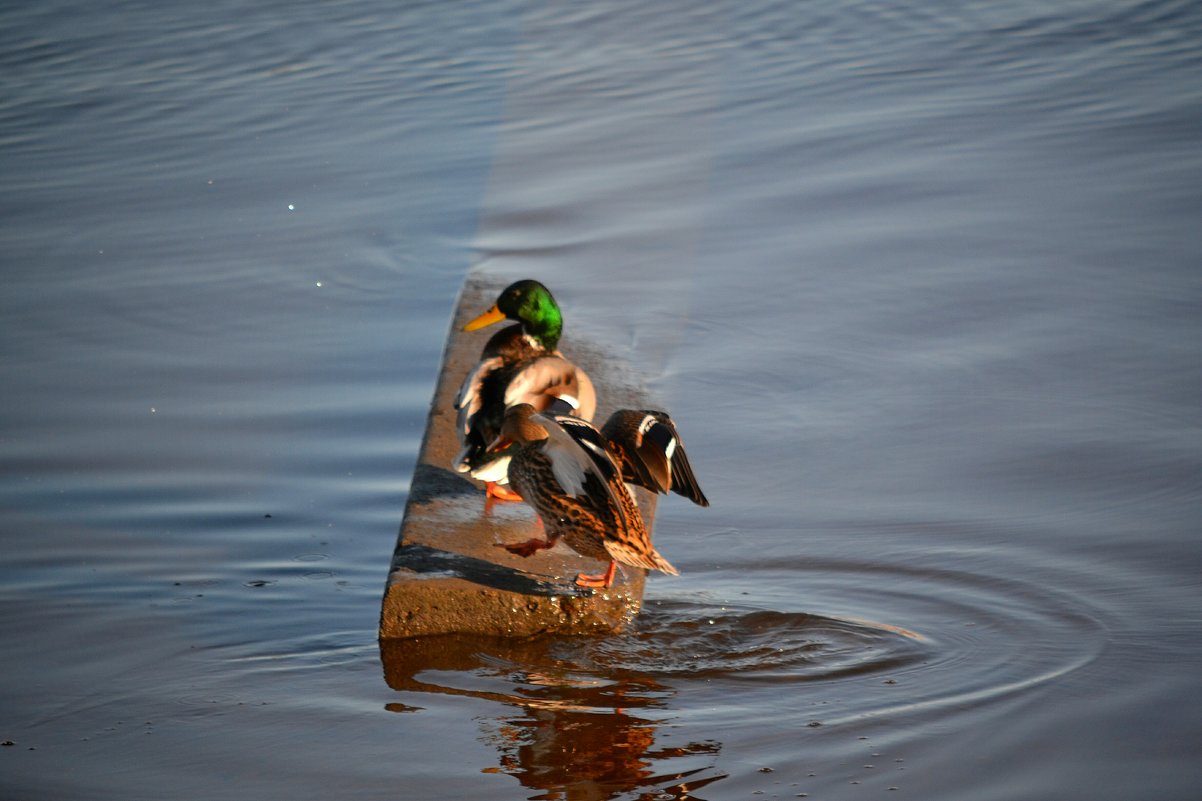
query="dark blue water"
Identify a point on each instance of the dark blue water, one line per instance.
(919, 281)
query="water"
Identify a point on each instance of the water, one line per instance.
(919, 282)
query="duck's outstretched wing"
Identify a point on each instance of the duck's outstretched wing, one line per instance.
(653, 454)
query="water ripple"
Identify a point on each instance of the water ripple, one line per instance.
(950, 638)
(680, 639)
(926, 639)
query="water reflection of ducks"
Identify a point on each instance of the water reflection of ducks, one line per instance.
(575, 736)
(578, 755)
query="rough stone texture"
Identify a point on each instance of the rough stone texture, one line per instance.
(448, 574)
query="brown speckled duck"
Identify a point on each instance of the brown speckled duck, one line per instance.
(519, 364)
(561, 467)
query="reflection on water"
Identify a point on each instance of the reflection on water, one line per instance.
(593, 713)
(576, 734)
(580, 755)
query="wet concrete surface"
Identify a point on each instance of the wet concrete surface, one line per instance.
(450, 573)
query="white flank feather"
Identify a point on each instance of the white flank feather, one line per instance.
(496, 471)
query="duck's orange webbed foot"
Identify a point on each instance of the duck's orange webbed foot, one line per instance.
(502, 493)
(529, 547)
(601, 580)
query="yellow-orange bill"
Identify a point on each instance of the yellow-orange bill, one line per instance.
(493, 315)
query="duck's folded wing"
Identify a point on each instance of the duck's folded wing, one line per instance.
(591, 441)
(552, 383)
(576, 455)
(469, 401)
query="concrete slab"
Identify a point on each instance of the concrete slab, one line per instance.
(449, 574)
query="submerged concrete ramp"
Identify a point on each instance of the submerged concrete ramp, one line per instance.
(449, 573)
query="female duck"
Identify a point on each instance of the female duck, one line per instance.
(519, 364)
(562, 468)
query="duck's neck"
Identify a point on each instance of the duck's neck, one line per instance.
(511, 344)
(546, 326)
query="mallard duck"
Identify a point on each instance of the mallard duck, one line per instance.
(561, 467)
(651, 453)
(519, 364)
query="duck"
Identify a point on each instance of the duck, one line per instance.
(649, 449)
(519, 364)
(561, 467)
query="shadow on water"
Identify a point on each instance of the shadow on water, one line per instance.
(588, 717)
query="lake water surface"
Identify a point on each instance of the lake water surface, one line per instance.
(919, 281)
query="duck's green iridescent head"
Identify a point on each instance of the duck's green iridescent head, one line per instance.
(529, 303)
